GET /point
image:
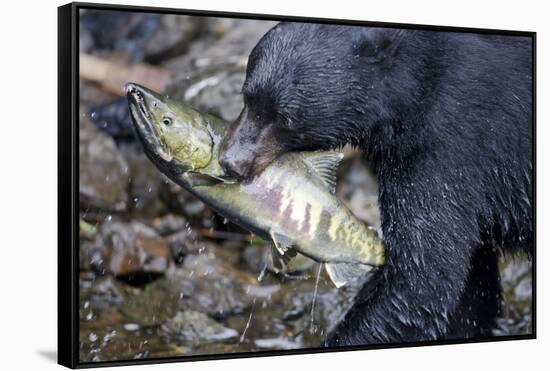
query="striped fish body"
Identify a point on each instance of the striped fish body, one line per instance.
(291, 202)
(291, 199)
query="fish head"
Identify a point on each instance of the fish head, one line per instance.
(172, 133)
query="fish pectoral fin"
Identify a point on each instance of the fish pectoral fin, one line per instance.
(325, 164)
(281, 250)
(343, 273)
(278, 262)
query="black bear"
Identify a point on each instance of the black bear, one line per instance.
(445, 119)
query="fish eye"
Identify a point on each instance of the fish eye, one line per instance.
(167, 121)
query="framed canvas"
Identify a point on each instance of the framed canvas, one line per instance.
(240, 185)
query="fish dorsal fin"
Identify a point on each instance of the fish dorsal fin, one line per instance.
(325, 165)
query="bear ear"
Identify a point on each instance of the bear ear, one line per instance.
(375, 44)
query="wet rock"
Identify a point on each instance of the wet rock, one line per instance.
(128, 32)
(169, 224)
(107, 289)
(103, 171)
(110, 338)
(179, 201)
(255, 257)
(159, 302)
(182, 238)
(214, 91)
(523, 290)
(194, 207)
(214, 286)
(293, 315)
(516, 279)
(278, 343)
(211, 73)
(100, 295)
(195, 327)
(90, 256)
(89, 251)
(183, 243)
(91, 95)
(233, 43)
(113, 118)
(315, 314)
(132, 248)
(228, 251)
(512, 270)
(204, 284)
(173, 35)
(145, 183)
(358, 188)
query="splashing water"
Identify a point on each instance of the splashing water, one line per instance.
(262, 273)
(312, 327)
(241, 340)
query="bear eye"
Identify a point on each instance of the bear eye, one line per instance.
(167, 121)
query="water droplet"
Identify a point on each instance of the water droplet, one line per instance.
(262, 272)
(241, 340)
(108, 337)
(131, 326)
(224, 220)
(312, 327)
(92, 337)
(93, 115)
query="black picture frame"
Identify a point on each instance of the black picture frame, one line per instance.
(68, 182)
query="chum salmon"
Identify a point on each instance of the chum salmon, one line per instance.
(290, 203)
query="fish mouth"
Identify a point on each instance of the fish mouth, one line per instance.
(142, 118)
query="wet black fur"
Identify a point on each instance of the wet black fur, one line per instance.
(445, 120)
